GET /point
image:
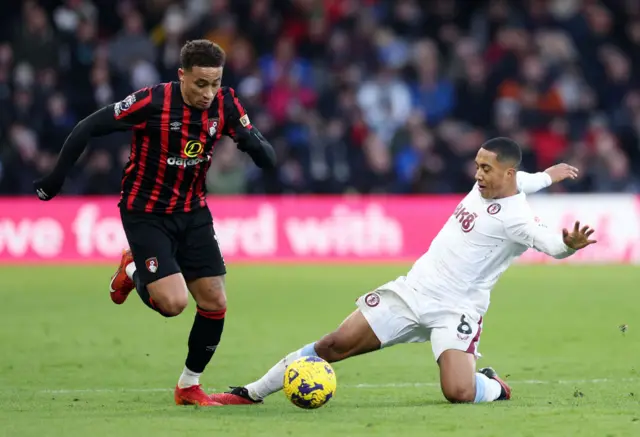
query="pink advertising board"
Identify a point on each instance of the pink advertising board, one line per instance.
(303, 229)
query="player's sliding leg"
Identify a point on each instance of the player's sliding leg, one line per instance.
(383, 319)
(492, 375)
(461, 383)
(455, 336)
(353, 337)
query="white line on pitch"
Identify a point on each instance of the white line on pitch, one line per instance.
(526, 381)
(357, 386)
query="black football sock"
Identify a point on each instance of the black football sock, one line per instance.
(144, 294)
(204, 338)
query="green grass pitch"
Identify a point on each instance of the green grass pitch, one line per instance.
(73, 364)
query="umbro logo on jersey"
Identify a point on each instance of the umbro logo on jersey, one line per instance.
(175, 126)
(41, 194)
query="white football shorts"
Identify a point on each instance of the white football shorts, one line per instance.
(398, 314)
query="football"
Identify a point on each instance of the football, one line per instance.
(309, 382)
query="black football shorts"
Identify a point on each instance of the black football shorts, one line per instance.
(164, 244)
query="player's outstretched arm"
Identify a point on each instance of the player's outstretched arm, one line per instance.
(248, 138)
(256, 146)
(579, 237)
(115, 117)
(536, 235)
(534, 182)
(48, 186)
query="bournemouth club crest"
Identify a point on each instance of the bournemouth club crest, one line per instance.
(152, 264)
(212, 126)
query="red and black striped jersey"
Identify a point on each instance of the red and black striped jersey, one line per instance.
(172, 146)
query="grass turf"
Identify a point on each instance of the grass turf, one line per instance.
(73, 364)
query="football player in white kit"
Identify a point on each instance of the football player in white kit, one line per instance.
(445, 294)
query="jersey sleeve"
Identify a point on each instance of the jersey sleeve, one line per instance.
(534, 234)
(119, 116)
(132, 110)
(235, 114)
(532, 182)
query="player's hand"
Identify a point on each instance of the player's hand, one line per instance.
(249, 139)
(561, 172)
(578, 238)
(243, 138)
(47, 187)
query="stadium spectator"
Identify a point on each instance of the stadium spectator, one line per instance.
(356, 95)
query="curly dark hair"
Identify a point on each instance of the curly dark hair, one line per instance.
(201, 53)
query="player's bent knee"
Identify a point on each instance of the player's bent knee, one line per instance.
(218, 301)
(175, 307)
(212, 302)
(457, 375)
(457, 394)
(169, 295)
(171, 306)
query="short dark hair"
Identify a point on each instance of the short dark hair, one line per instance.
(506, 150)
(201, 53)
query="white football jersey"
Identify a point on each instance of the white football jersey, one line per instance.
(478, 243)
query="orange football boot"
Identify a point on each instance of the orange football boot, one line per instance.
(194, 395)
(121, 285)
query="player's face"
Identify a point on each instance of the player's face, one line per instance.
(200, 85)
(495, 179)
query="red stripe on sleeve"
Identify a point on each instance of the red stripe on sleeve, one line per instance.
(239, 107)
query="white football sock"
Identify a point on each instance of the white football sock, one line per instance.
(487, 389)
(273, 380)
(130, 269)
(188, 378)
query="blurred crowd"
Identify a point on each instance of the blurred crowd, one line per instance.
(368, 96)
